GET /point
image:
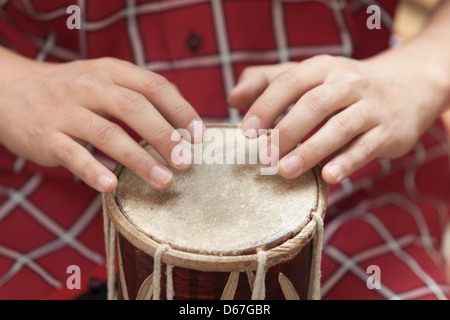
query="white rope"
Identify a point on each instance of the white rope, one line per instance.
(157, 271)
(169, 285)
(314, 284)
(110, 250)
(259, 287)
(110, 241)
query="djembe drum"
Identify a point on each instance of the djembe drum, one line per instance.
(221, 231)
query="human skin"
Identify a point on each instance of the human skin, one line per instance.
(377, 107)
(373, 108)
(51, 111)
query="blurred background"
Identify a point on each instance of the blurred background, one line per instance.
(411, 17)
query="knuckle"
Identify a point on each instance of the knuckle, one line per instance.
(66, 153)
(98, 65)
(317, 102)
(248, 71)
(366, 150)
(251, 71)
(37, 132)
(106, 62)
(87, 121)
(311, 152)
(80, 65)
(288, 79)
(87, 172)
(349, 165)
(356, 80)
(48, 154)
(134, 156)
(288, 131)
(398, 146)
(154, 82)
(83, 81)
(344, 126)
(106, 133)
(182, 109)
(163, 135)
(321, 59)
(130, 102)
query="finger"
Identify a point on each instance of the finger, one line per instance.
(80, 162)
(116, 143)
(335, 134)
(252, 83)
(287, 88)
(312, 108)
(161, 93)
(359, 152)
(140, 115)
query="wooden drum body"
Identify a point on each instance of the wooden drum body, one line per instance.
(221, 231)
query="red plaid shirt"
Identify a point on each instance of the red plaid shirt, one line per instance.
(390, 214)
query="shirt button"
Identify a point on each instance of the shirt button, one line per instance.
(193, 42)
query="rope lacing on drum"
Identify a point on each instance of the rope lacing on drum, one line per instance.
(259, 287)
(157, 274)
(110, 240)
(259, 290)
(314, 285)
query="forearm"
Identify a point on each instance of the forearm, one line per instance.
(8, 57)
(14, 66)
(426, 55)
(14, 69)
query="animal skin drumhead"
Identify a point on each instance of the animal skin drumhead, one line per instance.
(217, 207)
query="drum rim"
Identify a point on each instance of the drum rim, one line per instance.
(210, 262)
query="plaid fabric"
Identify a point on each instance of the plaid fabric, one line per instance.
(390, 213)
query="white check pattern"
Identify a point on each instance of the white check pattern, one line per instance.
(226, 59)
(65, 237)
(397, 245)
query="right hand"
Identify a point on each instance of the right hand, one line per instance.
(51, 111)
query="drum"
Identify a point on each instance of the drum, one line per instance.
(223, 230)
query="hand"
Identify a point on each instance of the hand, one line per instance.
(361, 110)
(51, 111)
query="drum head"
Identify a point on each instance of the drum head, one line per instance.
(219, 208)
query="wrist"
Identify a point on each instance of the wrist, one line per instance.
(15, 66)
(427, 74)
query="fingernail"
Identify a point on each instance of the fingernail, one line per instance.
(291, 164)
(160, 175)
(336, 171)
(104, 182)
(251, 126)
(181, 155)
(196, 129)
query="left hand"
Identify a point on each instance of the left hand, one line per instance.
(369, 109)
